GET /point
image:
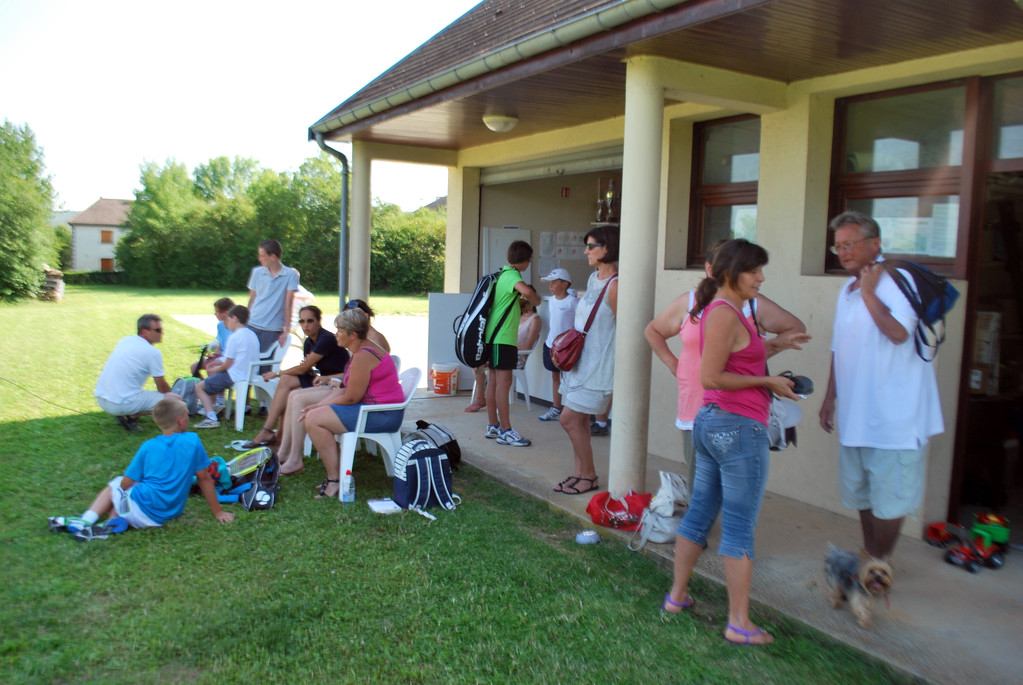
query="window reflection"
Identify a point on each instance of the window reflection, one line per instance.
(731, 221)
(903, 132)
(731, 152)
(914, 225)
(1007, 138)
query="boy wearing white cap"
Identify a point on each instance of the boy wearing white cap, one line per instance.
(562, 313)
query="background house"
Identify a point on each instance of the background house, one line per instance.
(95, 232)
(716, 118)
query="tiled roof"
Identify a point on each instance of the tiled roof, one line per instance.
(104, 212)
(490, 25)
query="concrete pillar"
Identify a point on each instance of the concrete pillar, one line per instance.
(358, 243)
(462, 246)
(641, 185)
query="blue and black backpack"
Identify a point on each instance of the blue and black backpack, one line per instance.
(931, 296)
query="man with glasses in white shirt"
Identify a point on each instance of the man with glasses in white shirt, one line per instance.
(119, 389)
(885, 397)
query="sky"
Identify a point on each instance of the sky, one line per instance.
(107, 85)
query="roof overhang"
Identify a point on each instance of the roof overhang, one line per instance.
(573, 72)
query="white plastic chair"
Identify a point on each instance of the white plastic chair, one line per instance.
(264, 389)
(389, 443)
(520, 379)
(307, 446)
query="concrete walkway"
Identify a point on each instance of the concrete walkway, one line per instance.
(944, 624)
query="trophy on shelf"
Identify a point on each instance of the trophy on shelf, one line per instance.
(610, 203)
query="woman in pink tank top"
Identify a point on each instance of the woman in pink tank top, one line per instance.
(789, 333)
(370, 378)
(730, 435)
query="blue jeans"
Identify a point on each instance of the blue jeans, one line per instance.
(376, 422)
(731, 474)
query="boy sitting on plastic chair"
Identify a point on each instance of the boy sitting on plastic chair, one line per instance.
(242, 350)
(155, 486)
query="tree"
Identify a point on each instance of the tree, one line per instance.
(57, 241)
(164, 206)
(26, 196)
(407, 250)
(312, 240)
(221, 177)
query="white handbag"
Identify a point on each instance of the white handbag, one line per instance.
(660, 520)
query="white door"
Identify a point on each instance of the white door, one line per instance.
(496, 242)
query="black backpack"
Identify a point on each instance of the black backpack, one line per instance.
(263, 493)
(250, 479)
(470, 348)
(422, 477)
(931, 297)
(440, 437)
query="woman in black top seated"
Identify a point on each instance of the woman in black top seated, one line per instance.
(322, 355)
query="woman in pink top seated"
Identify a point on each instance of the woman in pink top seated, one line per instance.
(789, 332)
(730, 434)
(371, 378)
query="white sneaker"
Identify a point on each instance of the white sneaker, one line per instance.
(208, 423)
(552, 414)
(68, 524)
(493, 432)
(511, 437)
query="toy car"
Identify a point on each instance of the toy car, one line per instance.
(938, 535)
(968, 549)
(995, 527)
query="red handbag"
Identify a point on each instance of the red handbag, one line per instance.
(569, 345)
(623, 514)
(566, 348)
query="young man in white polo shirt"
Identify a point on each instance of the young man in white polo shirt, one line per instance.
(242, 350)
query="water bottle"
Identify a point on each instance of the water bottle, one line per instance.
(348, 488)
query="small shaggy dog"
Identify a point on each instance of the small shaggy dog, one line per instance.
(859, 579)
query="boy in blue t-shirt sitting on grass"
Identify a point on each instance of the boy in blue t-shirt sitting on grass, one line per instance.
(155, 485)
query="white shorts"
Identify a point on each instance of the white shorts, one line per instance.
(126, 509)
(890, 483)
(145, 400)
(584, 400)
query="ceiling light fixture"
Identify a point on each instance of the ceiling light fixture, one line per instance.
(500, 123)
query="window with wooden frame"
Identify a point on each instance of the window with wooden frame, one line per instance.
(106, 237)
(911, 158)
(726, 174)
(106, 264)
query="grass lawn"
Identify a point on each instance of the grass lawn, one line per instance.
(311, 591)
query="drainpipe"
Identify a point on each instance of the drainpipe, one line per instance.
(342, 259)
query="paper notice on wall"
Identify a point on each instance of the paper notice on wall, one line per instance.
(548, 243)
(570, 239)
